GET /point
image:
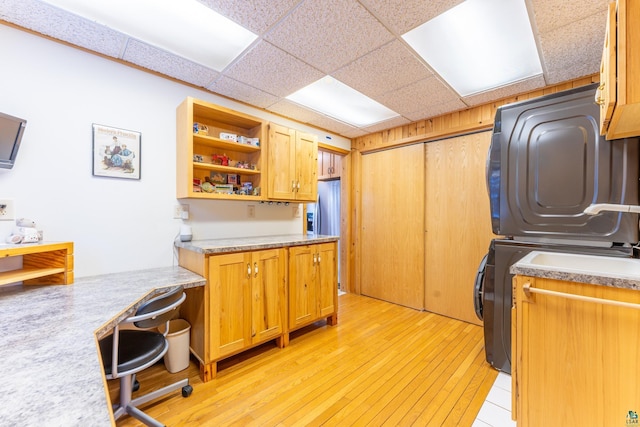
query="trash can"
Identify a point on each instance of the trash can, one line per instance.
(176, 358)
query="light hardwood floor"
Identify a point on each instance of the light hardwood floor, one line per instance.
(383, 364)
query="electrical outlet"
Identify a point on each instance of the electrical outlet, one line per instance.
(251, 211)
(297, 211)
(7, 211)
(181, 211)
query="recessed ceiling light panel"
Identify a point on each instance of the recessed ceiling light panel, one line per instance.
(186, 27)
(479, 45)
(341, 102)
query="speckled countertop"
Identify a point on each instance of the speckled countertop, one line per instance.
(50, 370)
(218, 246)
(615, 277)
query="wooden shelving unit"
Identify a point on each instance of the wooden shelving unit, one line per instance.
(218, 120)
(42, 264)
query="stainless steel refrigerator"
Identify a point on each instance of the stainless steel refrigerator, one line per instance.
(323, 217)
(546, 164)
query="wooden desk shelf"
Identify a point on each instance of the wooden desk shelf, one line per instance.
(42, 264)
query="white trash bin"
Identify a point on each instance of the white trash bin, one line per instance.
(176, 358)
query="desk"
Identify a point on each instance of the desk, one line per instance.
(50, 369)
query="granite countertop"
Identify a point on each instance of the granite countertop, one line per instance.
(50, 368)
(592, 275)
(218, 246)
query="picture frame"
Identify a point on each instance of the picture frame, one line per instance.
(116, 152)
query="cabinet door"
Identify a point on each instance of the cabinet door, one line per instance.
(306, 159)
(282, 166)
(576, 360)
(268, 288)
(606, 94)
(230, 317)
(302, 286)
(327, 278)
(336, 165)
(325, 163)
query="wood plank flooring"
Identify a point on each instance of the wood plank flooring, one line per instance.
(382, 365)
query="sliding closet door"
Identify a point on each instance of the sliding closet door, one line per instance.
(458, 225)
(392, 226)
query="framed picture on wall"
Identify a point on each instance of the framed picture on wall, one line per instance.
(116, 152)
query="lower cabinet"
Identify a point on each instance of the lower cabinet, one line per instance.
(247, 300)
(256, 296)
(575, 358)
(313, 284)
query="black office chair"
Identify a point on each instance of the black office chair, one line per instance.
(129, 351)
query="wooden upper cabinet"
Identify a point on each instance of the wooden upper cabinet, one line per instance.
(619, 91)
(293, 164)
(329, 165)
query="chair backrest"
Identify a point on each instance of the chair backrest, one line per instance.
(158, 310)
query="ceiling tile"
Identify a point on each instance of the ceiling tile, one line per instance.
(404, 15)
(329, 34)
(527, 85)
(418, 95)
(326, 122)
(255, 15)
(386, 69)
(272, 70)
(422, 112)
(387, 124)
(553, 14)
(355, 133)
(52, 21)
(167, 63)
(291, 109)
(242, 92)
(573, 50)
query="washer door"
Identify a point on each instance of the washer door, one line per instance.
(478, 289)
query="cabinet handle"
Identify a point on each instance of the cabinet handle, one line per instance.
(314, 259)
(293, 186)
(255, 269)
(319, 259)
(248, 270)
(530, 290)
(298, 185)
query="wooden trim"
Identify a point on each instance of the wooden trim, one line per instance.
(473, 119)
(332, 149)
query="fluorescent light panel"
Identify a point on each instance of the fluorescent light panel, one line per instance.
(186, 27)
(479, 45)
(339, 101)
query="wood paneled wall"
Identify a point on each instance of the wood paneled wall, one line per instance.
(473, 119)
(458, 123)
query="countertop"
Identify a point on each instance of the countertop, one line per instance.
(616, 280)
(219, 246)
(50, 369)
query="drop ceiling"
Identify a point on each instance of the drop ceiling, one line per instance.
(357, 42)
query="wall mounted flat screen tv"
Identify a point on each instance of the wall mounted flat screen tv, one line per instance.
(11, 130)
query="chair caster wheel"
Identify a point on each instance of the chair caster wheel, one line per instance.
(136, 385)
(187, 390)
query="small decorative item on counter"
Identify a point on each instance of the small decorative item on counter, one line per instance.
(224, 188)
(244, 165)
(233, 179)
(218, 159)
(207, 187)
(24, 232)
(200, 128)
(217, 178)
(229, 136)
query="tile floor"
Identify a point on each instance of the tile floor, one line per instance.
(496, 410)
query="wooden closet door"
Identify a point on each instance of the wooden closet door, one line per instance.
(392, 227)
(458, 224)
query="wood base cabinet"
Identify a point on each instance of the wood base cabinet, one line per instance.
(242, 305)
(313, 286)
(576, 359)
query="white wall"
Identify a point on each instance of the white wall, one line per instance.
(115, 224)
